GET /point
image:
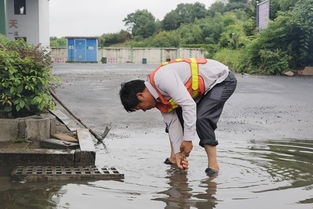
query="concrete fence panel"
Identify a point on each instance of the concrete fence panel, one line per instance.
(123, 55)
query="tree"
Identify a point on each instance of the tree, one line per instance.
(185, 13)
(114, 38)
(190, 34)
(199, 11)
(302, 15)
(281, 6)
(189, 12)
(211, 29)
(216, 7)
(165, 39)
(289, 38)
(141, 23)
(58, 42)
(171, 21)
(237, 1)
(233, 37)
(236, 5)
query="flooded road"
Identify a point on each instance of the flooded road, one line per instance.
(265, 152)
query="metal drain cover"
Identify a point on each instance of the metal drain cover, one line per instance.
(56, 173)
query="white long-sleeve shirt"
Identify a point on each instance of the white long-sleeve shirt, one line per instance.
(170, 81)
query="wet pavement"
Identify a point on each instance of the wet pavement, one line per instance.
(265, 152)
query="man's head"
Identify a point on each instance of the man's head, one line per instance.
(135, 96)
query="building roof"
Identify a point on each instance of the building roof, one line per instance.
(82, 37)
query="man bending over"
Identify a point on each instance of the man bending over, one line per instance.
(190, 94)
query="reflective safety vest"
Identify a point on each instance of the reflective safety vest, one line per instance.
(194, 85)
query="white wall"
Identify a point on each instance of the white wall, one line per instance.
(34, 25)
(44, 23)
(152, 55)
(134, 55)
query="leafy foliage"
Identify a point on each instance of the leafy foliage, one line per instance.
(165, 39)
(273, 62)
(217, 7)
(25, 73)
(278, 6)
(288, 39)
(171, 21)
(230, 57)
(302, 17)
(188, 13)
(227, 31)
(114, 38)
(56, 42)
(190, 33)
(141, 23)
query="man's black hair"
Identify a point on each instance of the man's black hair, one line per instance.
(128, 94)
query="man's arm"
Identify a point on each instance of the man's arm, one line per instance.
(171, 85)
(175, 130)
(181, 148)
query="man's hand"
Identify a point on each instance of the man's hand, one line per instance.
(186, 147)
(181, 161)
(185, 150)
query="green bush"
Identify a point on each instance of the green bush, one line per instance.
(288, 38)
(233, 37)
(25, 75)
(58, 42)
(165, 39)
(231, 58)
(273, 62)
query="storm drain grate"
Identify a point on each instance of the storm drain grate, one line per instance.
(55, 173)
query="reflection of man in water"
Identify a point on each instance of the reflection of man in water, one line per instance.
(180, 194)
(190, 93)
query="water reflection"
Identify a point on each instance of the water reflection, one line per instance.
(179, 195)
(252, 174)
(26, 196)
(287, 161)
(208, 197)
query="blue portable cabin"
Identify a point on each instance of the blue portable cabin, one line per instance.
(82, 49)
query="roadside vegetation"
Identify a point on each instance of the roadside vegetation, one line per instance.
(227, 32)
(25, 76)
(56, 42)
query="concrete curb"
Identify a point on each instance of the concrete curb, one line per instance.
(32, 127)
(84, 156)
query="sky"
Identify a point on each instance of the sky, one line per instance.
(95, 17)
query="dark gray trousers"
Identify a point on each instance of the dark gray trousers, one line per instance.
(209, 109)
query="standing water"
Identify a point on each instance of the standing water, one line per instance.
(265, 152)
